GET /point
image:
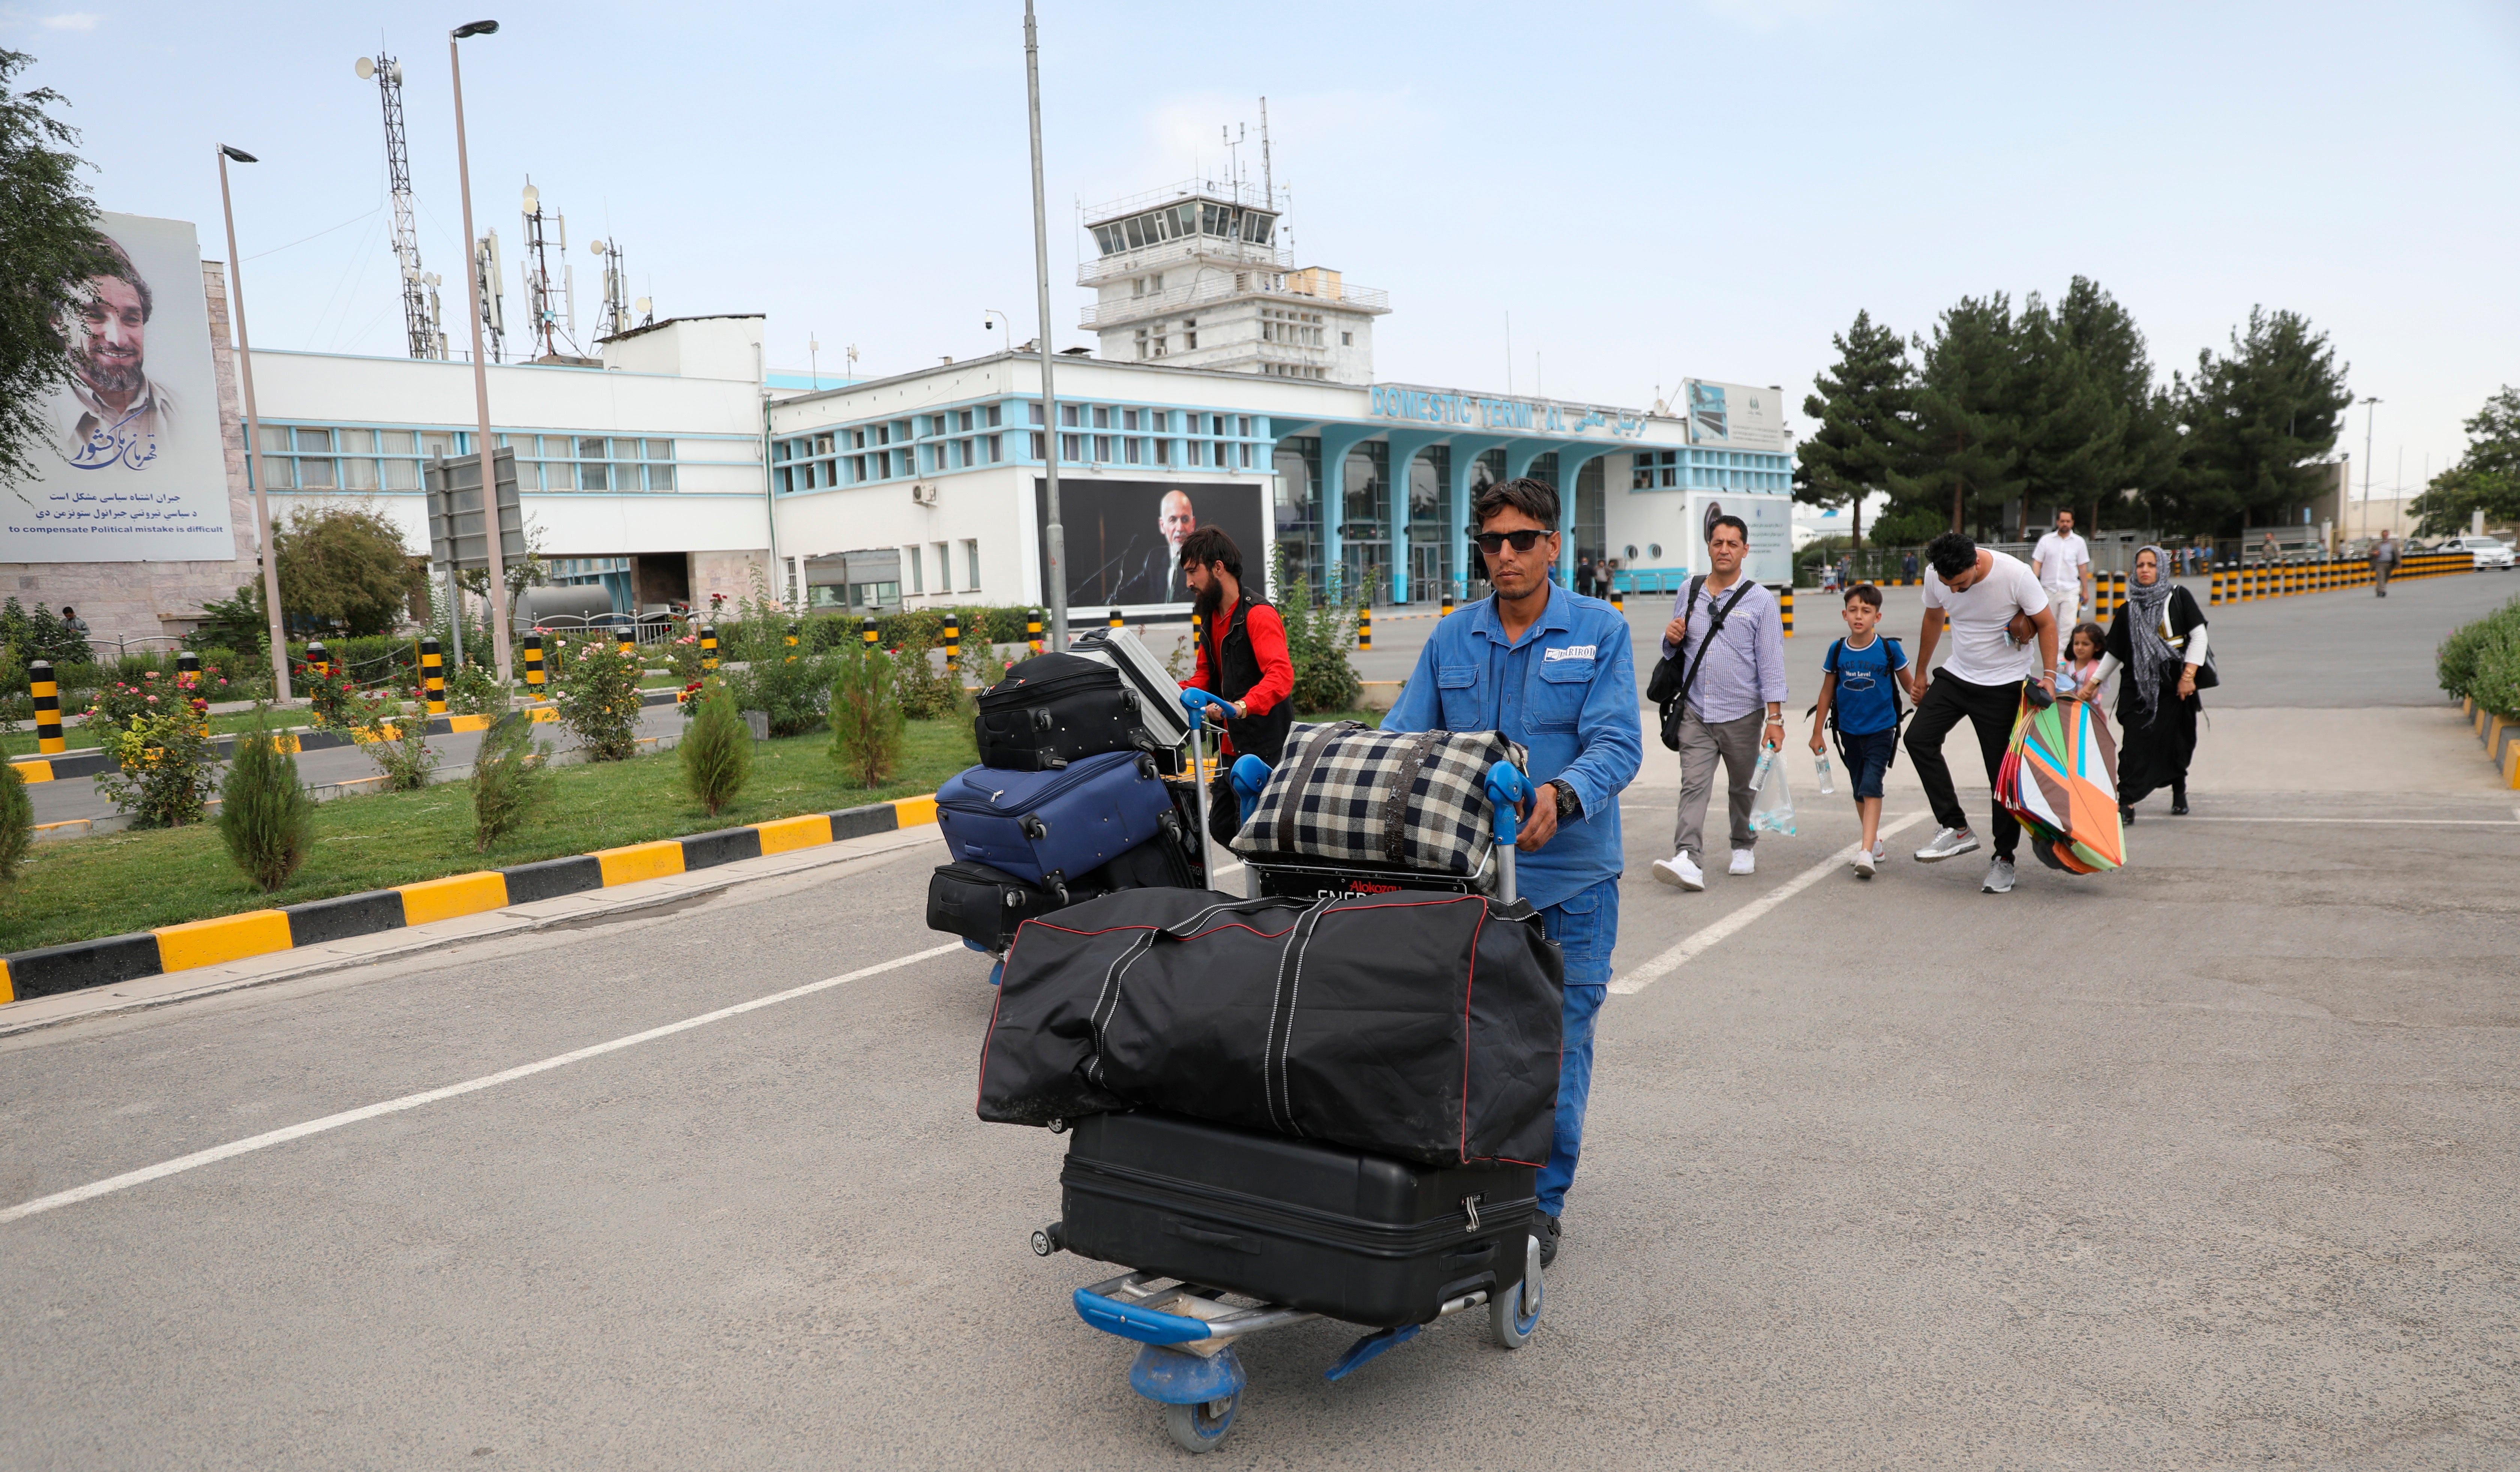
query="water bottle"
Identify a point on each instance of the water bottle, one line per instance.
(1820, 759)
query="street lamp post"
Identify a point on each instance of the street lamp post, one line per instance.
(2369, 413)
(1053, 533)
(253, 437)
(485, 444)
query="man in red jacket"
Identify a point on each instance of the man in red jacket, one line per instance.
(1241, 659)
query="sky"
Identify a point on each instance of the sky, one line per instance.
(1642, 193)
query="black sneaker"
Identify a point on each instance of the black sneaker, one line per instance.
(1550, 1233)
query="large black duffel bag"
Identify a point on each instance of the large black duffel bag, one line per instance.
(1414, 1024)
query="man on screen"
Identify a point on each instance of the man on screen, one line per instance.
(1157, 577)
(122, 410)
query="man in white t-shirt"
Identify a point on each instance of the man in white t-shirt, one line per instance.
(1998, 611)
(2063, 563)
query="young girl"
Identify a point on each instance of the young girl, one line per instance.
(2083, 650)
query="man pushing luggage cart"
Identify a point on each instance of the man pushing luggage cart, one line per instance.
(1552, 671)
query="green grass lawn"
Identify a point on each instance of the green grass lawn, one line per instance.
(83, 888)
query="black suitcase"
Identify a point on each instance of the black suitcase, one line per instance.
(1354, 1236)
(984, 905)
(1053, 709)
(1163, 861)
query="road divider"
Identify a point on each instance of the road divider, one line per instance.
(54, 969)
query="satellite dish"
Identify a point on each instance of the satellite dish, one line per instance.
(644, 304)
(365, 68)
(595, 245)
(533, 199)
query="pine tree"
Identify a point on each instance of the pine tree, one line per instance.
(2254, 420)
(1964, 448)
(266, 818)
(17, 822)
(2140, 450)
(1861, 407)
(716, 749)
(2064, 416)
(2486, 478)
(866, 717)
(510, 777)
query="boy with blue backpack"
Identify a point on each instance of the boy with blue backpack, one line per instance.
(1859, 700)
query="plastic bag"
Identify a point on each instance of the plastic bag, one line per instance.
(1771, 811)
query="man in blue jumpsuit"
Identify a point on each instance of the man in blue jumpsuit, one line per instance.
(1553, 670)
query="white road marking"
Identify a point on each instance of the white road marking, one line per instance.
(2383, 822)
(1646, 973)
(233, 1148)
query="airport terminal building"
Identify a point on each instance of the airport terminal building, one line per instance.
(1231, 386)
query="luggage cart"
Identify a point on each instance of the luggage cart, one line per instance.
(1187, 1332)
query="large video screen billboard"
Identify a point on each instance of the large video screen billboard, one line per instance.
(1124, 536)
(136, 471)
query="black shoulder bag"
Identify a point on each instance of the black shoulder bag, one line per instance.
(1674, 672)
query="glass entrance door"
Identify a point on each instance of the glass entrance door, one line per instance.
(1426, 582)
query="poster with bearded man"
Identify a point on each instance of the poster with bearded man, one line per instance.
(138, 473)
(1124, 537)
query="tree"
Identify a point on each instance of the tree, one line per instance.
(344, 564)
(1861, 407)
(2141, 448)
(2486, 478)
(2251, 423)
(50, 245)
(716, 748)
(266, 818)
(1964, 446)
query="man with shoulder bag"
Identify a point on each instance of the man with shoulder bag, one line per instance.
(1721, 689)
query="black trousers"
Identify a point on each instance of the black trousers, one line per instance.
(1989, 710)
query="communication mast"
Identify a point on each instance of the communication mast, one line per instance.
(494, 312)
(615, 317)
(419, 315)
(540, 299)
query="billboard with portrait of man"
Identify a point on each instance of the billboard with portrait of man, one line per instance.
(1124, 536)
(136, 471)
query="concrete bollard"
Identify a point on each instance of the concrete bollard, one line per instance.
(795, 632)
(1032, 631)
(47, 708)
(536, 681)
(1785, 611)
(432, 677)
(1448, 603)
(317, 660)
(952, 641)
(1365, 626)
(868, 634)
(708, 649)
(1115, 621)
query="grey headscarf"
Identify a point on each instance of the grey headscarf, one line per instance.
(2145, 607)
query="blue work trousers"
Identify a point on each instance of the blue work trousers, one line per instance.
(1586, 927)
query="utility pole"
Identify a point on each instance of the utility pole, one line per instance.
(485, 443)
(2369, 413)
(254, 438)
(1055, 533)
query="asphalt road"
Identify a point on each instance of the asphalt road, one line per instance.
(2205, 1163)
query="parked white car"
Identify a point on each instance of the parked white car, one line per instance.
(2488, 552)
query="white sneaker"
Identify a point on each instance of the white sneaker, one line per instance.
(1881, 850)
(1744, 862)
(1948, 843)
(1865, 862)
(1998, 878)
(1679, 870)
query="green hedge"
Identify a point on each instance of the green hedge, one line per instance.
(2481, 662)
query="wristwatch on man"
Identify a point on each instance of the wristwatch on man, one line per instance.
(1569, 806)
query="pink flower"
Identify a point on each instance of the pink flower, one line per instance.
(152, 700)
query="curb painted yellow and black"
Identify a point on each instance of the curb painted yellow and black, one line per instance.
(56, 969)
(2502, 739)
(302, 739)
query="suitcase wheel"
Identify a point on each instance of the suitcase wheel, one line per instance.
(1508, 1319)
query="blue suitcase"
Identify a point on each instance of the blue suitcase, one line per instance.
(1045, 827)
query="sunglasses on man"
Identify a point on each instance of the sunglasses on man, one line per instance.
(1493, 541)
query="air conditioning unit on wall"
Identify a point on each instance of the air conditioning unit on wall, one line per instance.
(924, 495)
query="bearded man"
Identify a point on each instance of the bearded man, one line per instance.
(1242, 660)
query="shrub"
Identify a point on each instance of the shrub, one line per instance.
(266, 818)
(2462, 655)
(928, 691)
(866, 717)
(17, 822)
(596, 689)
(168, 769)
(2496, 687)
(791, 687)
(475, 690)
(1316, 645)
(42, 635)
(510, 777)
(716, 749)
(398, 745)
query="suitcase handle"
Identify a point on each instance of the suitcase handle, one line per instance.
(1176, 1226)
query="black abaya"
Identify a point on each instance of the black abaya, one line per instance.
(2154, 749)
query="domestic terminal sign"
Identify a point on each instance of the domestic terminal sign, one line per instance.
(1472, 411)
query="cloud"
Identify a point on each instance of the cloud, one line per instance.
(70, 20)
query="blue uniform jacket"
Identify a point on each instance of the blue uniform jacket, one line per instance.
(1567, 692)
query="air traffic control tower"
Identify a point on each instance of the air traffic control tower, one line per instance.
(1195, 276)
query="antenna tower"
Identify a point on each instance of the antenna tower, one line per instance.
(494, 313)
(1267, 176)
(540, 300)
(419, 322)
(614, 320)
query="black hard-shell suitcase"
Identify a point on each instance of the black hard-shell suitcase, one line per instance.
(1053, 709)
(984, 905)
(1163, 861)
(1355, 1236)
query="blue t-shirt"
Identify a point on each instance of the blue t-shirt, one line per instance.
(1864, 701)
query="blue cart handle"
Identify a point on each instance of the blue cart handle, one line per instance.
(1193, 699)
(1509, 789)
(1250, 778)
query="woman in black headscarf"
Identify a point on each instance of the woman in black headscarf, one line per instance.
(2158, 639)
